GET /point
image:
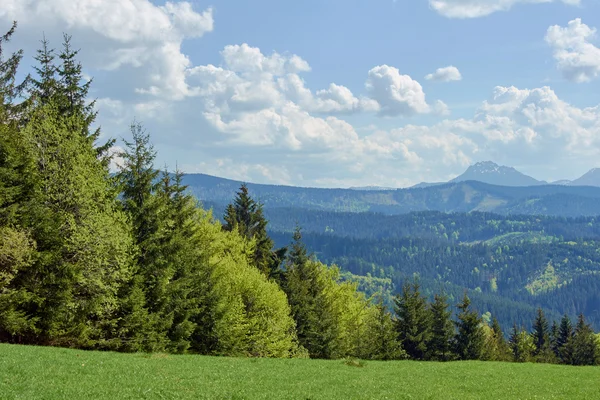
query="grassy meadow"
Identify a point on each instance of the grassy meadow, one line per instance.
(28, 372)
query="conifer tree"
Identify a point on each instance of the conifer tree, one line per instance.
(564, 342)
(469, 338)
(585, 349)
(246, 216)
(81, 240)
(521, 345)
(541, 339)
(306, 288)
(502, 349)
(384, 344)
(413, 323)
(442, 329)
(554, 333)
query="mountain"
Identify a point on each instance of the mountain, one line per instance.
(564, 182)
(494, 174)
(590, 178)
(367, 188)
(555, 200)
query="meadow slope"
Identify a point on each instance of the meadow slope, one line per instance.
(28, 372)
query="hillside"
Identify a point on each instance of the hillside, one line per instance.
(509, 265)
(75, 374)
(590, 178)
(556, 200)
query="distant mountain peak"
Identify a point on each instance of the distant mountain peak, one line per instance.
(590, 178)
(492, 173)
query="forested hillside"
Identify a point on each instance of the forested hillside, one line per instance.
(555, 200)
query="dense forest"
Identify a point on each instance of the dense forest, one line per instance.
(130, 261)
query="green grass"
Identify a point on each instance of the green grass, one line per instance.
(51, 373)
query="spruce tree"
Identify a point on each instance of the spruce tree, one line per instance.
(585, 348)
(502, 349)
(384, 344)
(413, 323)
(564, 342)
(541, 339)
(246, 216)
(139, 183)
(311, 308)
(469, 338)
(442, 329)
(81, 240)
(521, 345)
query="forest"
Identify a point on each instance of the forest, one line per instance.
(130, 261)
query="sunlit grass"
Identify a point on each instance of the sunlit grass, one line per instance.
(51, 373)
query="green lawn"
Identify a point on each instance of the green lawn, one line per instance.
(51, 373)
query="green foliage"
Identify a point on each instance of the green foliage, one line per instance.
(585, 349)
(521, 345)
(413, 322)
(564, 341)
(469, 338)
(442, 330)
(246, 217)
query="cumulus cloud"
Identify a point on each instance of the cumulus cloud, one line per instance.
(575, 54)
(396, 94)
(124, 34)
(481, 8)
(446, 74)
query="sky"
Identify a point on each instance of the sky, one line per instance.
(338, 93)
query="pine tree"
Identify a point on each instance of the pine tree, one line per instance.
(554, 333)
(81, 240)
(585, 349)
(147, 209)
(564, 342)
(541, 339)
(306, 286)
(246, 216)
(521, 345)
(413, 322)
(382, 336)
(469, 339)
(442, 330)
(502, 349)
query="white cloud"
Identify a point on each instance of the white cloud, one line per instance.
(481, 8)
(446, 74)
(396, 94)
(135, 34)
(576, 56)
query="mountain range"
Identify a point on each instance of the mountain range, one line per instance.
(494, 174)
(467, 196)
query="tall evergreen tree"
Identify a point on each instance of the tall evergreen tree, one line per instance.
(384, 344)
(521, 345)
(564, 342)
(413, 322)
(442, 329)
(541, 339)
(246, 216)
(585, 348)
(310, 305)
(469, 337)
(81, 240)
(502, 349)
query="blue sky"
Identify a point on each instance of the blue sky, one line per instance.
(334, 93)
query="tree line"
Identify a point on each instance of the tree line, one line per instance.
(427, 332)
(132, 262)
